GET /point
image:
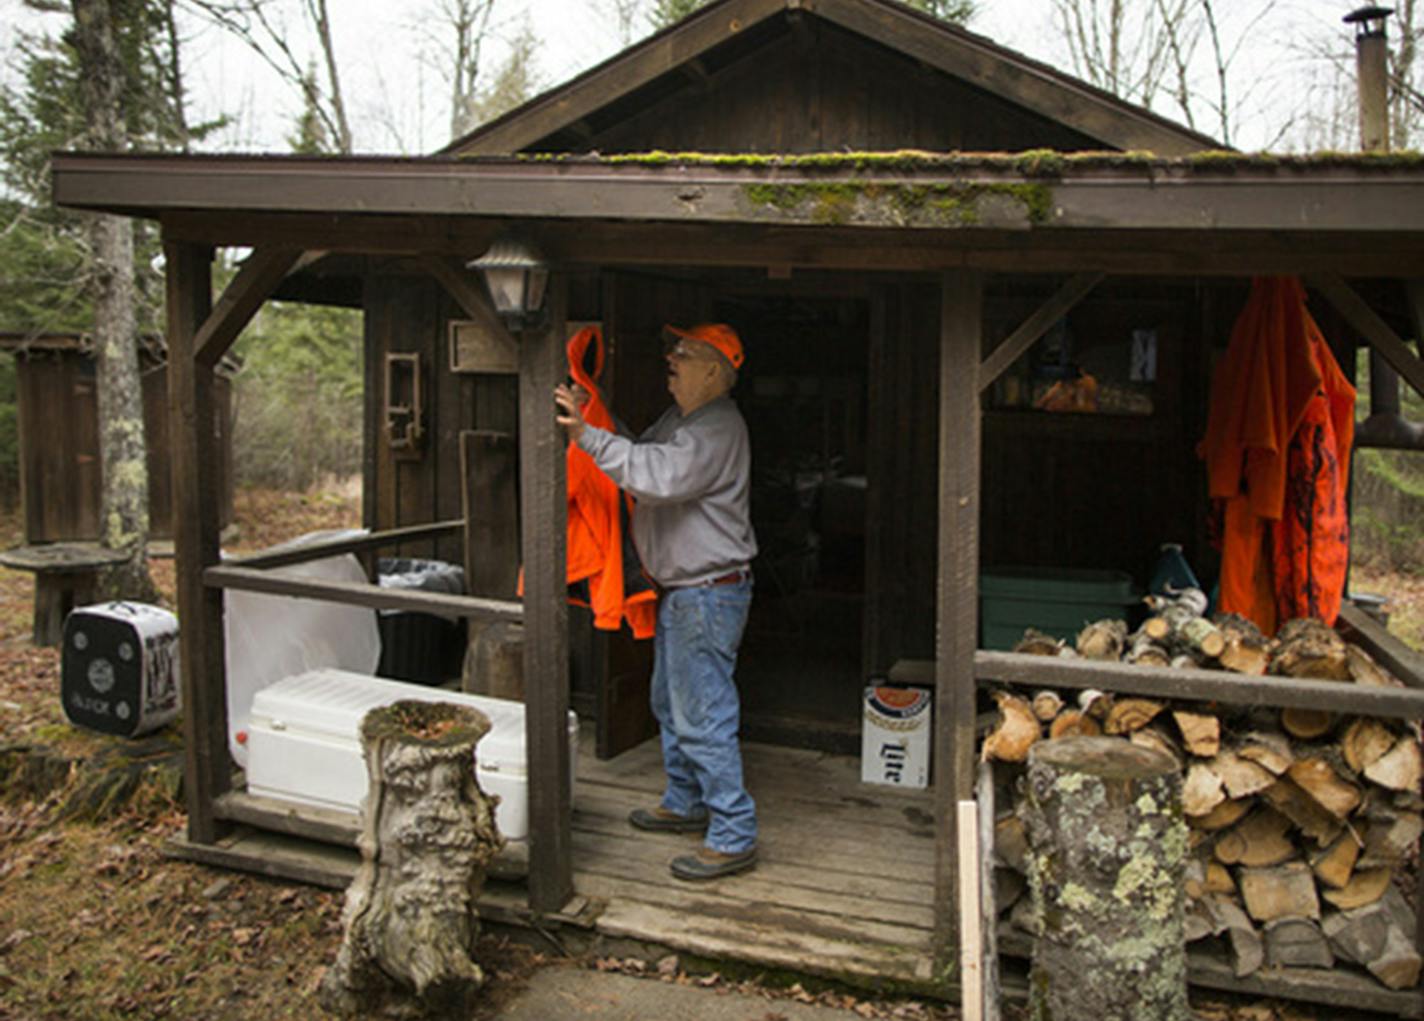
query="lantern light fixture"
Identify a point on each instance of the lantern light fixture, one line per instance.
(517, 277)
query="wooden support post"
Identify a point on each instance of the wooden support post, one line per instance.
(196, 495)
(543, 539)
(961, 328)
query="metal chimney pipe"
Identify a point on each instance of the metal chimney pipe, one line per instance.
(1372, 71)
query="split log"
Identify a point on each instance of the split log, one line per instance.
(1011, 843)
(1102, 639)
(1074, 723)
(1095, 703)
(1270, 750)
(1201, 733)
(1282, 891)
(1201, 790)
(1144, 650)
(1329, 789)
(1364, 670)
(1305, 647)
(1226, 814)
(1035, 643)
(1390, 836)
(1247, 951)
(1365, 887)
(1241, 777)
(1297, 943)
(1306, 724)
(1365, 742)
(1261, 839)
(1334, 865)
(1380, 937)
(1246, 650)
(427, 833)
(1017, 730)
(1153, 736)
(1106, 869)
(1400, 768)
(1046, 705)
(1129, 714)
(1303, 810)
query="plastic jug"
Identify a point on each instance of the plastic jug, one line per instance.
(1172, 572)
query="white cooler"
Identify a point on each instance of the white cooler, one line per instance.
(304, 742)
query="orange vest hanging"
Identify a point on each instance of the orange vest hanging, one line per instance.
(599, 552)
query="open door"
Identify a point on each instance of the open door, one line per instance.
(636, 305)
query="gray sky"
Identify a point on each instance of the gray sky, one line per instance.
(398, 101)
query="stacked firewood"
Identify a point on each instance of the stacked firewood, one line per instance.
(1303, 824)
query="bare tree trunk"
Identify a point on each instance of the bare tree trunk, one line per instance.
(124, 503)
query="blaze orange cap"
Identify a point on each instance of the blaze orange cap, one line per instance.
(719, 335)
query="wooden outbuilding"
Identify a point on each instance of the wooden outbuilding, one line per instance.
(897, 215)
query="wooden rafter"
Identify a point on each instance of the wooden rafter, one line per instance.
(1035, 326)
(1359, 315)
(468, 294)
(241, 299)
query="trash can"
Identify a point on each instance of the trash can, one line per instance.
(425, 648)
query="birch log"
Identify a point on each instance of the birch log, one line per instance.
(1107, 867)
(428, 832)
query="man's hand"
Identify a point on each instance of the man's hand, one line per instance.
(571, 400)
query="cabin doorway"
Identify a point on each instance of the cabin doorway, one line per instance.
(803, 392)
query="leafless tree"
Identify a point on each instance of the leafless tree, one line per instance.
(261, 25)
(124, 501)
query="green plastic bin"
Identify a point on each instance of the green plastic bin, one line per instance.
(1056, 601)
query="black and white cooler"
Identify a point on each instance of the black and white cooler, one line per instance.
(304, 742)
(119, 668)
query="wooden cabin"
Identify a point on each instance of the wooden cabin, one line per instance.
(59, 451)
(917, 231)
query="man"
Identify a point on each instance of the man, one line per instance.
(691, 475)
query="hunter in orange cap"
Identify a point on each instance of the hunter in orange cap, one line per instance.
(719, 335)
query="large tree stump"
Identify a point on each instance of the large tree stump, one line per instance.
(1107, 867)
(427, 833)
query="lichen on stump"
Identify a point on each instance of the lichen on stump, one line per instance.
(427, 834)
(1107, 866)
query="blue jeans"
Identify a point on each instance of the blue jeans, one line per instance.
(695, 701)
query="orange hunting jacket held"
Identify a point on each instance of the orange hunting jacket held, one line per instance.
(599, 550)
(1277, 449)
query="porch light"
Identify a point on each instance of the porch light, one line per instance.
(517, 275)
(1369, 21)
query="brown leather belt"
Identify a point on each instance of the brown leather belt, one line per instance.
(730, 578)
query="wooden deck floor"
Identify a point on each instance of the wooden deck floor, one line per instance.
(844, 884)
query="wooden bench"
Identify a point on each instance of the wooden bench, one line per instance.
(65, 576)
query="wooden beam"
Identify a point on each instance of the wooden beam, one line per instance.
(352, 593)
(196, 489)
(463, 285)
(1035, 326)
(1361, 317)
(543, 513)
(243, 296)
(356, 544)
(489, 489)
(957, 592)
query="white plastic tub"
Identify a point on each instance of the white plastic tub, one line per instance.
(304, 742)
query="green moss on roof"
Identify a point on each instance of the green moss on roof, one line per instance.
(1033, 163)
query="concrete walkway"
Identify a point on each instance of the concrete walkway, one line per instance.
(579, 994)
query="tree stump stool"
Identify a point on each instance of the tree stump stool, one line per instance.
(1107, 861)
(65, 577)
(427, 835)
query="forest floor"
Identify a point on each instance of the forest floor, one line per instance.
(97, 924)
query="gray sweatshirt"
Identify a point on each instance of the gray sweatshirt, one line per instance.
(691, 477)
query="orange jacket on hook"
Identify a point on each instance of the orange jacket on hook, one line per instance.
(599, 550)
